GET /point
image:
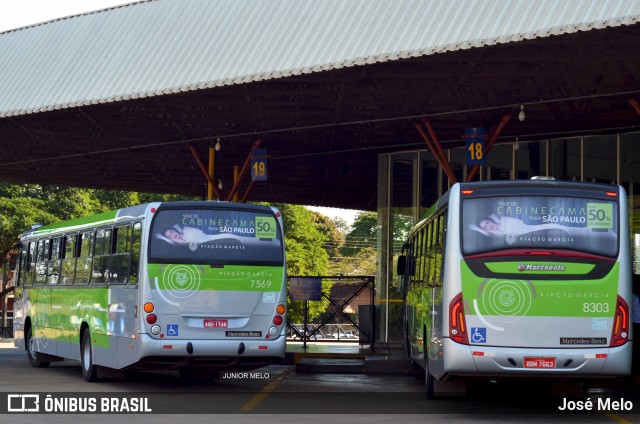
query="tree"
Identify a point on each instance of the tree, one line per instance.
(331, 229)
(363, 262)
(363, 234)
(305, 255)
(303, 241)
(17, 215)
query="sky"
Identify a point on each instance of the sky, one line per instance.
(20, 13)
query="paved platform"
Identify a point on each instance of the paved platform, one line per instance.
(326, 357)
(334, 358)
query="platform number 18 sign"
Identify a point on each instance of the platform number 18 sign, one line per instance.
(475, 143)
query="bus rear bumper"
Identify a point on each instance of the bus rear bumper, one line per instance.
(465, 360)
(227, 348)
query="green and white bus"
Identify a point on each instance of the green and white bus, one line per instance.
(175, 285)
(519, 279)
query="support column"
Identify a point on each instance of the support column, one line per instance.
(212, 164)
(243, 171)
(236, 178)
(205, 172)
(436, 149)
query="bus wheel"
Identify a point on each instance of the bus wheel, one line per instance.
(34, 357)
(429, 381)
(89, 370)
(429, 384)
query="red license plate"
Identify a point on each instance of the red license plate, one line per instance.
(216, 323)
(539, 362)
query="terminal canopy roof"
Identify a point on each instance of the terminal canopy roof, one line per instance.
(114, 98)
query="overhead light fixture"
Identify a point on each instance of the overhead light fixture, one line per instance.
(521, 115)
(217, 146)
(220, 184)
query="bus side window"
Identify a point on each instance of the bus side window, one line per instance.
(443, 243)
(83, 264)
(439, 239)
(41, 262)
(67, 273)
(30, 270)
(53, 271)
(22, 266)
(102, 257)
(136, 244)
(430, 253)
(121, 255)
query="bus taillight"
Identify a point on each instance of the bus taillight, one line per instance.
(620, 332)
(278, 320)
(457, 323)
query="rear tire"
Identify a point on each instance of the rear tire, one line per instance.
(89, 370)
(35, 359)
(429, 381)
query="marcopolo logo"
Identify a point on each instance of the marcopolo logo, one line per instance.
(541, 267)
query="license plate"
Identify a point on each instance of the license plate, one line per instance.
(539, 362)
(216, 323)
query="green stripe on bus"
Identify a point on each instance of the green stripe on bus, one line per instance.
(509, 297)
(106, 217)
(249, 278)
(63, 310)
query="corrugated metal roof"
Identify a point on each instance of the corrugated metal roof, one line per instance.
(157, 47)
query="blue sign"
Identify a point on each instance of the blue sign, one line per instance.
(475, 142)
(478, 335)
(172, 330)
(259, 165)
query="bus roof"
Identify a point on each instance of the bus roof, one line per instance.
(129, 213)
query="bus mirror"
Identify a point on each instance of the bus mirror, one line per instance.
(402, 265)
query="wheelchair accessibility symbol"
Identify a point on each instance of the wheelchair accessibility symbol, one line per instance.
(478, 334)
(172, 330)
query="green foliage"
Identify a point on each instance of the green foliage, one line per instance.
(303, 240)
(363, 233)
(305, 255)
(363, 262)
(331, 228)
(17, 215)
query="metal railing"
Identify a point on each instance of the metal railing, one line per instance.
(349, 316)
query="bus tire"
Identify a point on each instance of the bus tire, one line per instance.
(429, 381)
(89, 369)
(35, 359)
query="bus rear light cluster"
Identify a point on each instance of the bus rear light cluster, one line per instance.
(457, 323)
(151, 318)
(620, 331)
(278, 320)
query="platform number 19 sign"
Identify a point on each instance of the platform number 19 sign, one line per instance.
(475, 143)
(259, 165)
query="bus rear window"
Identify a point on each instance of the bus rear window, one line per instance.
(215, 236)
(547, 222)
